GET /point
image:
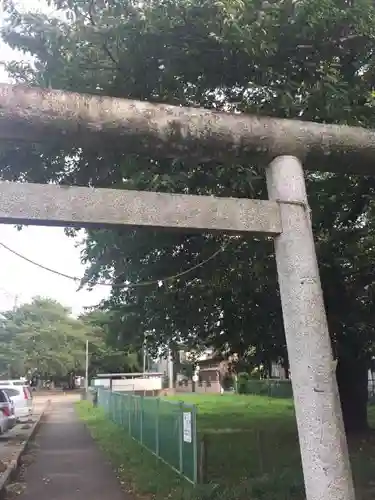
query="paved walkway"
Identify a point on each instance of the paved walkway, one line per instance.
(68, 465)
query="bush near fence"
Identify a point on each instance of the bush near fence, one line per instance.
(166, 428)
(273, 388)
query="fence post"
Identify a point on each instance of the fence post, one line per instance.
(130, 406)
(126, 411)
(195, 445)
(157, 444)
(141, 418)
(181, 436)
(122, 410)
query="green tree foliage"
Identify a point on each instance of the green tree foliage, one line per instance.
(42, 337)
(311, 59)
(104, 356)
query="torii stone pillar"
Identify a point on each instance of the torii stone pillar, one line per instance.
(324, 451)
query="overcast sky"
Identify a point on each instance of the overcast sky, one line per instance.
(19, 280)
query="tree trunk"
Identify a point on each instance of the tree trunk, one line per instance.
(286, 367)
(158, 130)
(352, 380)
(268, 368)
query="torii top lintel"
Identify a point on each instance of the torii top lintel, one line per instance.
(158, 130)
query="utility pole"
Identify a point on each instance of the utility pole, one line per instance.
(144, 353)
(170, 369)
(87, 368)
(144, 358)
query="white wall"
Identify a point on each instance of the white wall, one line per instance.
(134, 384)
(138, 384)
(101, 382)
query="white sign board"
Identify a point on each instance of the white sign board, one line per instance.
(187, 427)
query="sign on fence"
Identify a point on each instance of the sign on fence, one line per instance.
(187, 427)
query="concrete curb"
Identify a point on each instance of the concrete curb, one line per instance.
(12, 467)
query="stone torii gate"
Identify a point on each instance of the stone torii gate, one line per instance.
(30, 114)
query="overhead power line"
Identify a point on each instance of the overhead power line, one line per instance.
(106, 283)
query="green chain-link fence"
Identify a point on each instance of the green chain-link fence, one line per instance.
(166, 428)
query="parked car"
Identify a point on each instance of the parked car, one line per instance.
(22, 398)
(7, 413)
(7, 382)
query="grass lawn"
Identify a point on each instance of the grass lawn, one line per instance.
(252, 444)
(252, 452)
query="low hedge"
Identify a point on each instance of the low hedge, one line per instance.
(273, 388)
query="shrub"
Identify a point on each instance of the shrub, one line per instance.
(228, 382)
(242, 383)
(273, 388)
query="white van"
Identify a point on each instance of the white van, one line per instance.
(20, 395)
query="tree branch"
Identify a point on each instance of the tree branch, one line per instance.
(104, 45)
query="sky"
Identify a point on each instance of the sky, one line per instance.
(20, 281)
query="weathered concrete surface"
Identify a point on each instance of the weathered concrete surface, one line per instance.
(24, 203)
(67, 463)
(160, 130)
(324, 450)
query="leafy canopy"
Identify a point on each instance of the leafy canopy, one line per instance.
(43, 339)
(311, 59)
